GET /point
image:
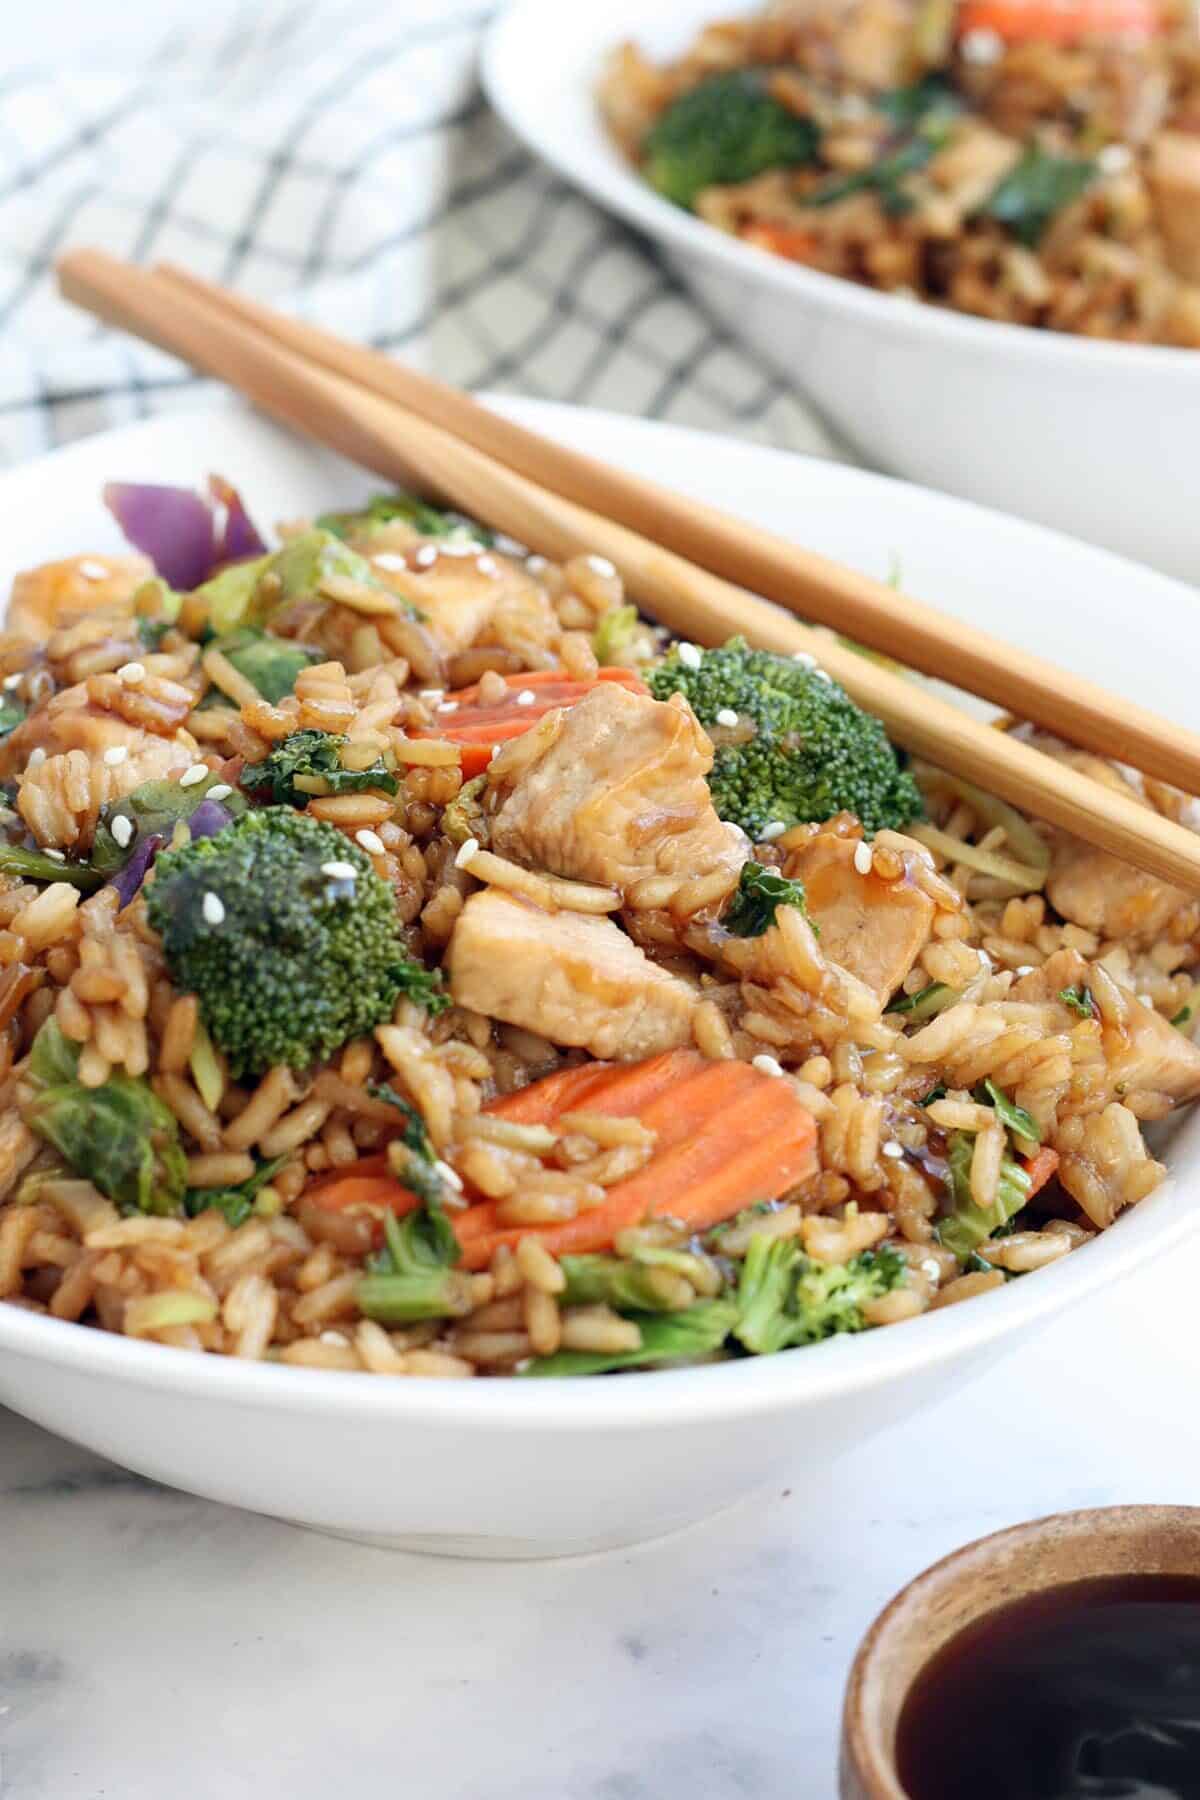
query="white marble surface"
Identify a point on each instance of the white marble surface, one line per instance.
(155, 1645)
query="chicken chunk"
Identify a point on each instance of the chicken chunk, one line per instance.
(462, 597)
(1088, 887)
(1147, 1054)
(1174, 179)
(874, 928)
(43, 597)
(570, 977)
(618, 795)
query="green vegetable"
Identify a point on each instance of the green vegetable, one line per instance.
(464, 816)
(151, 632)
(411, 1157)
(935, 1093)
(35, 865)
(383, 509)
(12, 714)
(1182, 1017)
(727, 129)
(601, 1280)
(308, 763)
(926, 1004)
(270, 663)
(1079, 999)
(1038, 188)
(907, 107)
(120, 1136)
(785, 1298)
(614, 634)
(689, 1336)
(966, 1225)
(814, 753)
(1014, 1118)
(251, 593)
(235, 1204)
(886, 176)
(759, 893)
(153, 809)
(414, 1276)
(300, 956)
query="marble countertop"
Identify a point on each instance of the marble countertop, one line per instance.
(152, 1644)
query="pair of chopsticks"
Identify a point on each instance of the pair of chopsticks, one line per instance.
(701, 572)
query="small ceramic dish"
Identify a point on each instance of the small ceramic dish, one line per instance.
(971, 1584)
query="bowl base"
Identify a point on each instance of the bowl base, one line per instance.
(466, 1547)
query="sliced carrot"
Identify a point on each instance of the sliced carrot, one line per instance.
(625, 1088)
(1060, 21)
(726, 1135)
(479, 726)
(782, 240)
(1040, 1167)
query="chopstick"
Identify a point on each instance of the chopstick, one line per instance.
(689, 600)
(819, 590)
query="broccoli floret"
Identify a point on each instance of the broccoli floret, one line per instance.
(308, 763)
(785, 1298)
(286, 935)
(120, 1135)
(414, 1276)
(809, 752)
(727, 129)
(759, 894)
(383, 509)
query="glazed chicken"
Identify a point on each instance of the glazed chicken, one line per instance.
(875, 929)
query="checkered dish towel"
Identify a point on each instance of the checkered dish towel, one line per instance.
(335, 156)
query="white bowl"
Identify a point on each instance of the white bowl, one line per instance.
(1095, 438)
(515, 1468)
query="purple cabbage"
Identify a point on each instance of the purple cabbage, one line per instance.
(128, 880)
(209, 818)
(186, 535)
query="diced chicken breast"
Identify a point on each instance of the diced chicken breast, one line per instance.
(1154, 1056)
(1098, 891)
(463, 596)
(619, 795)
(874, 928)
(974, 162)
(43, 597)
(1173, 174)
(570, 977)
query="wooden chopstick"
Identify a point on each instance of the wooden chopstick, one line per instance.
(870, 612)
(689, 600)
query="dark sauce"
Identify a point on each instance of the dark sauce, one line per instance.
(1086, 1692)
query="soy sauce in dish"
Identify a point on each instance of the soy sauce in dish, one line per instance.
(1089, 1691)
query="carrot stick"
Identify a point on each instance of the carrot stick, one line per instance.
(480, 726)
(1040, 1167)
(1060, 21)
(727, 1136)
(616, 1088)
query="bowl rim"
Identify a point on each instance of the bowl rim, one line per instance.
(840, 1368)
(862, 1750)
(611, 182)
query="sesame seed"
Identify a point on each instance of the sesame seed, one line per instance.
(536, 565)
(496, 749)
(197, 772)
(37, 756)
(460, 547)
(770, 832)
(122, 830)
(131, 673)
(767, 1065)
(91, 570)
(526, 697)
(981, 47)
(370, 841)
(985, 961)
(431, 693)
(804, 658)
(116, 754)
(1114, 159)
(337, 1340)
(1025, 969)
(426, 556)
(600, 565)
(1147, 1000)
(862, 858)
(222, 791)
(487, 565)
(450, 1176)
(447, 705)
(55, 855)
(339, 871)
(466, 852)
(690, 656)
(213, 908)
(823, 675)
(727, 716)
(893, 1148)
(507, 546)
(392, 560)
(13, 681)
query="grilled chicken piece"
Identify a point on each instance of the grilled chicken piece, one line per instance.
(1173, 175)
(618, 795)
(1147, 1054)
(463, 597)
(570, 977)
(873, 928)
(1098, 891)
(44, 596)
